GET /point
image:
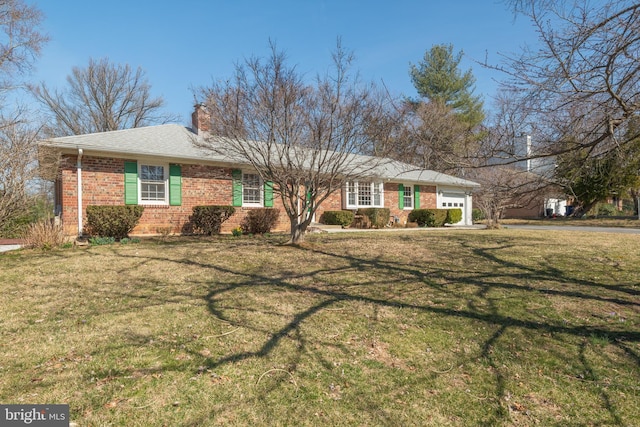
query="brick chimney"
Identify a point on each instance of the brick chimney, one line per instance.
(200, 120)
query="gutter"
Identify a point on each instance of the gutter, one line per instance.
(79, 174)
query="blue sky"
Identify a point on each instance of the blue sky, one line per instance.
(188, 43)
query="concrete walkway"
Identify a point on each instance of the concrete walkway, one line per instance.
(322, 228)
(6, 248)
(10, 244)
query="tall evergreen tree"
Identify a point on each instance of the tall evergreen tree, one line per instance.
(438, 78)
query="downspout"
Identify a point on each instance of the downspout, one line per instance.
(79, 173)
(468, 206)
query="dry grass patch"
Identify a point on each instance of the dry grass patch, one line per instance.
(411, 328)
(624, 222)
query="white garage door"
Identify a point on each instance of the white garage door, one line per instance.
(451, 200)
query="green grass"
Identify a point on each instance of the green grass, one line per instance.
(447, 327)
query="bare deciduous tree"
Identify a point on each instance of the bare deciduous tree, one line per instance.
(304, 138)
(18, 167)
(101, 97)
(583, 83)
(439, 138)
(20, 40)
(577, 92)
(507, 187)
(429, 135)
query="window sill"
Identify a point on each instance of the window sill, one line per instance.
(155, 205)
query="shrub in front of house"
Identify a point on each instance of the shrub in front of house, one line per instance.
(428, 217)
(44, 234)
(378, 217)
(422, 217)
(112, 221)
(343, 218)
(260, 221)
(454, 216)
(208, 219)
(477, 215)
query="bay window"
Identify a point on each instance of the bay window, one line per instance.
(360, 194)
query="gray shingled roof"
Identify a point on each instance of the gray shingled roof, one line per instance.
(178, 143)
(167, 141)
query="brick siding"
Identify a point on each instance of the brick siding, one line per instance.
(103, 184)
(428, 200)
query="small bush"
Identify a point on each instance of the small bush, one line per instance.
(429, 217)
(37, 209)
(127, 241)
(44, 234)
(477, 215)
(440, 217)
(607, 209)
(378, 217)
(208, 219)
(343, 218)
(99, 241)
(112, 221)
(454, 216)
(423, 217)
(260, 221)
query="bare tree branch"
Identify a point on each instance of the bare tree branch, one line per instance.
(21, 40)
(305, 138)
(101, 97)
(18, 167)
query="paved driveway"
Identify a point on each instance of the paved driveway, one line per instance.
(620, 230)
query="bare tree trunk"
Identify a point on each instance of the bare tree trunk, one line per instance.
(582, 209)
(299, 137)
(297, 231)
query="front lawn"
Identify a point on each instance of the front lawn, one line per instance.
(616, 222)
(429, 328)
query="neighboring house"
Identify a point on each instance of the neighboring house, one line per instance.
(548, 200)
(163, 168)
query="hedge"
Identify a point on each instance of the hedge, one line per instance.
(379, 217)
(430, 217)
(260, 221)
(454, 216)
(112, 221)
(208, 219)
(343, 218)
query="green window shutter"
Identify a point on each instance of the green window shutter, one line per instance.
(308, 199)
(175, 185)
(236, 178)
(268, 194)
(416, 197)
(400, 196)
(130, 183)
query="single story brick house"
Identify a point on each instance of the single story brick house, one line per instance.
(163, 168)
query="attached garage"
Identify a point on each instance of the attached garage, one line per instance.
(451, 199)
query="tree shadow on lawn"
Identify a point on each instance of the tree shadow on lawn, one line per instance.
(378, 290)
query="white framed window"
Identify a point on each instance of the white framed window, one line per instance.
(407, 197)
(363, 194)
(153, 184)
(252, 188)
